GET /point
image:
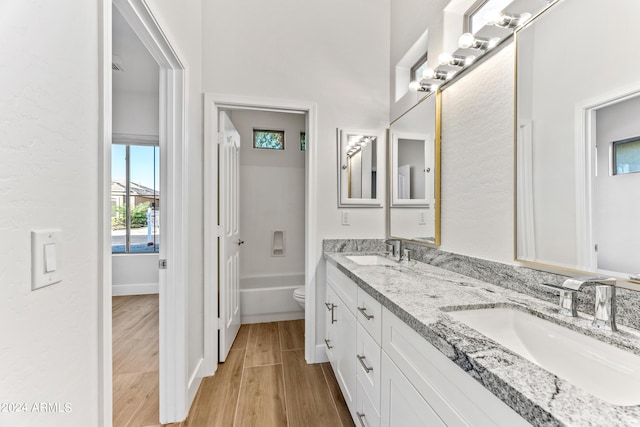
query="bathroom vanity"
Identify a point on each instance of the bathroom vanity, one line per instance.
(402, 358)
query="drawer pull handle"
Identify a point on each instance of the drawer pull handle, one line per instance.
(367, 369)
(326, 341)
(360, 417)
(366, 315)
(330, 307)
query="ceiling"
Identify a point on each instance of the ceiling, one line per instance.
(140, 71)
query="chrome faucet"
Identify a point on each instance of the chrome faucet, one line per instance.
(605, 299)
(605, 308)
(393, 248)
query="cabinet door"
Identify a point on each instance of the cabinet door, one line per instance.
(330, 334)
(345, 349)
(401, 404)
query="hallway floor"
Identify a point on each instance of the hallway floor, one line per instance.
(264, 382)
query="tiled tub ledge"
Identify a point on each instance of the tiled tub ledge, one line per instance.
(421, 295)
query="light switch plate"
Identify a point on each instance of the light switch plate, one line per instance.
(345, 218)
(45, 250)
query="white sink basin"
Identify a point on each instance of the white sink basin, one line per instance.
(603, 370)
(370, 260)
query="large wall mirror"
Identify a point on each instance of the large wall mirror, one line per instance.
(358, 168)
(578, 137)
(414, 165)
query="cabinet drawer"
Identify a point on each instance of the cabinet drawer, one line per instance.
(366, 413)
(368, 365)
(345, 288)
(370, 314)
(455, 396)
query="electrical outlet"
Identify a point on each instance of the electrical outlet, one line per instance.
(345, 218)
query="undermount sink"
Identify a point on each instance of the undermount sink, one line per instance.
(370, 260)
(603, 370)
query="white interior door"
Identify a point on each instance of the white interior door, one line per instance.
(228, 220)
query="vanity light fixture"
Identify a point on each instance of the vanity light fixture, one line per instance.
(357, 143)
(417, 86)
(431, 74)
(469, 41)
(455, 60)
(505, 20)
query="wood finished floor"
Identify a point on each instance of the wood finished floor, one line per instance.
(264, 382)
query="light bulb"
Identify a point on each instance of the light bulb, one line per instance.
(493, 42)
(466, 40)
(445, 58)
(493, 16)
(414, 86)
(428, 73)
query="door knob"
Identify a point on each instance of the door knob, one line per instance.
(240, 242)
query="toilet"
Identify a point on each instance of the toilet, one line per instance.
(298, 296)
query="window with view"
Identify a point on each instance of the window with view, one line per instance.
(135, 198)
(419, 67)
(476, 15)
(626, 156)
(269, 139)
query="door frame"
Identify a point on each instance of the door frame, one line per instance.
(175, 391)
(212, 103)
(584, 143)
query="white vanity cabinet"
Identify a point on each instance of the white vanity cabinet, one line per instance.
(421, 386)
(341, 330)
(390, 376)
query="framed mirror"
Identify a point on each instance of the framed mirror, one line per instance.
(414, 181)
(577, 136)
(358, 168)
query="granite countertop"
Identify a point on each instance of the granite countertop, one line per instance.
(421, 295)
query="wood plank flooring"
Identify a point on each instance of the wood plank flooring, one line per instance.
(264, 382)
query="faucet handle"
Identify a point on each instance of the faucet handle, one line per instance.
(605, 308)
(568, 300)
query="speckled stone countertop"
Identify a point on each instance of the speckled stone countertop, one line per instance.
(421, 295)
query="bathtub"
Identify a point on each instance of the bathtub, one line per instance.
(269, 298)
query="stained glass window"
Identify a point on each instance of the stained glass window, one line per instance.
(269, 139)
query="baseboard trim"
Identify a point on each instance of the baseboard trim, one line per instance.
(135, 289)
(274, 317)
(321, 354)
(194, 383)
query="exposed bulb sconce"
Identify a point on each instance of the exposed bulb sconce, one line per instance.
(417, 86)
(357, 143)
(469, 41)
(455, 60)
(431, 74)
(505, 20)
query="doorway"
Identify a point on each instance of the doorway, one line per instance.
(175, 392)
(214, 105)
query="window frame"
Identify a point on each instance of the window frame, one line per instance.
(422, 60)
(127, 141)
(614, 154)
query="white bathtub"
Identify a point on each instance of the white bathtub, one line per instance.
(269, 298)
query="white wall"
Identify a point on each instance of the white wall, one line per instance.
(477, 141)
(134, 274)
(136, 113)
(271, 194)
(615, 205)
(182, 24)
(333, 53)
(49, 178)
